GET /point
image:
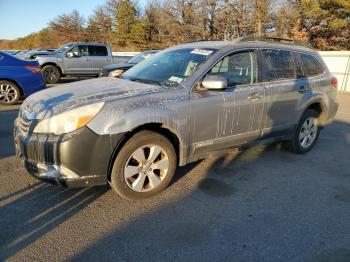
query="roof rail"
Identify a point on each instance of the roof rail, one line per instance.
(272, 39)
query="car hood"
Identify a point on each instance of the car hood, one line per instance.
(65, 97)
(49, 55)
(38, 54)
(117, 66)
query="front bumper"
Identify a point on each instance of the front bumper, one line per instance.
(61, 175)
(81, 158)
(103, 74)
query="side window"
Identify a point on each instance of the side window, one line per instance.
(311, 65)
(238, 69)
(277, 65)
(298, 66)
(80, 50)
(98, 50)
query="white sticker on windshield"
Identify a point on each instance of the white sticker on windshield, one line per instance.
(201, 52)
(175, 79)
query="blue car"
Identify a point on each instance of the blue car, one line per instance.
(18, 78)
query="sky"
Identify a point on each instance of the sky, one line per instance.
(21, 17)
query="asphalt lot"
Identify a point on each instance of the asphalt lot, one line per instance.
(264, 204)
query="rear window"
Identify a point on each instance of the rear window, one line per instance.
(277, 65)
(98, 51)
(311, 66)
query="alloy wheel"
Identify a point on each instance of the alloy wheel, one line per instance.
(51, 74)
(146, 168)
(8, 93)
(308, 132)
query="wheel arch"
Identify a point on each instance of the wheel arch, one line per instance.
(159, 128)
(53, 64)
(320, 108)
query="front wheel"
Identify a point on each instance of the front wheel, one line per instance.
(306, 134)
(144, 166)
(51, 74)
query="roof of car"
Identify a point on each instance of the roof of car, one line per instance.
(244, 44)
(86, 43)
(205, 44)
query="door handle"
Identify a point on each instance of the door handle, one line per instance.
(303, 89)
(254, 96)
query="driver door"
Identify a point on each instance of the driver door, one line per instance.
(78, 61)
(230, 117)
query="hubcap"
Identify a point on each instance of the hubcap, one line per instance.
(8, 93)
(308, 132)
(146, 168)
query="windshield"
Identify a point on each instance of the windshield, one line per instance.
(140, 57)
(168, 68)
(63, 48)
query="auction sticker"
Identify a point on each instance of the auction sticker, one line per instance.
(201, 52)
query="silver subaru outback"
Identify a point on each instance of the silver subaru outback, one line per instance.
(185, 103)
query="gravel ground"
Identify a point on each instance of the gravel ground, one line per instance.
(264, 204)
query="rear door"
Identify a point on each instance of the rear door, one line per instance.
(99, 56)
(78, 61)
(280, 77)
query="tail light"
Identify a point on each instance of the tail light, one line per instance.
(334, 82)
(34, 69)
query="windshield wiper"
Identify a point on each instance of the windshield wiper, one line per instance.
(169, 83)
(144, 81)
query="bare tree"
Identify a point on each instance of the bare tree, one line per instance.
(68, 27)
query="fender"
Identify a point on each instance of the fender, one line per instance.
(165, 110)
(311, 99)
(54, 64)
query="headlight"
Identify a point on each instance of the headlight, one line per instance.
(68, 121)
(115, 73)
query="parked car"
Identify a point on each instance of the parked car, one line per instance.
(33, 53)
(186, 103)
(118, 69)
(75, 59)
(21, 52)
(12, 52)
(18, 79)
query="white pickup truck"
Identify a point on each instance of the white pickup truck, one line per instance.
(76, 59)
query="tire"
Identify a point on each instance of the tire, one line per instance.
(51, 74)
(134, 175)
(297, 144)
(9, 93)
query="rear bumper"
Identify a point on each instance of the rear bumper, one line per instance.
(333, 109)
(32, 84)
(79, 159)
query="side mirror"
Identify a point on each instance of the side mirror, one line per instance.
(214, 82)
(69, 54)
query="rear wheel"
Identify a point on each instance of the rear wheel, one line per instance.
(306, 133)
(9, 93)
(51, 74)
(144, 166)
